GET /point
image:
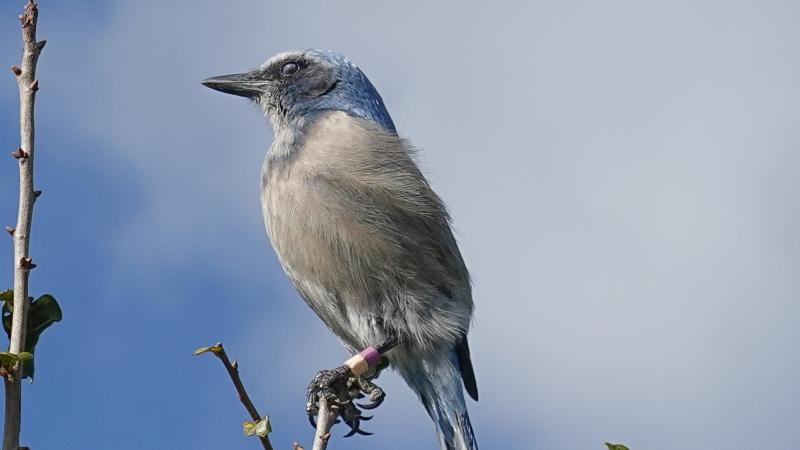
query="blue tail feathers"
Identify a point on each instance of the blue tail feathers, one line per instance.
(437, 380)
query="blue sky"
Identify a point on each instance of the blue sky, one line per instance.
(622, 175)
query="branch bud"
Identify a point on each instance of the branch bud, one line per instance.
(27, 18)
(17, 71)
(11, 230)
(19, 154)
(36, 194)
(27, 263)
(34, 86)
(40, 45)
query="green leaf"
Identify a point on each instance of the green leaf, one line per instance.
(616, 446)
(8, 360)
(7, 296)
(216, 348)
(43, 312)
(260, 427)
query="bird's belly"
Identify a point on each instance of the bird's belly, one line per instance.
(315, 246)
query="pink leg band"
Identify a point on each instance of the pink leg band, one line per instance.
(361, 363)
(371, 355)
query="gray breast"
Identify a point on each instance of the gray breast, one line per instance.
(363, 237)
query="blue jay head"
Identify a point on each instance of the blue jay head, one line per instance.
(294, 86)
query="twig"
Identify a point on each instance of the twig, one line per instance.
(325, 420)
(28, 86)
(233, 371)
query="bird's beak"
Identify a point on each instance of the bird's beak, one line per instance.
(241, 84)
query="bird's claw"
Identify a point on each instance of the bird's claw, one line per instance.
(331, 384)
(340, 388)
(375, 394)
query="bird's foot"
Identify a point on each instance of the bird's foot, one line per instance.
(340, 388)
(370, 390)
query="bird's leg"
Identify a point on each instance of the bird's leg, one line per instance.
(351, 381)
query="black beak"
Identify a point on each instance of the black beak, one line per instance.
(241, 84)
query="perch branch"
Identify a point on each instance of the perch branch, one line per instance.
(325, 420)
(28, 86)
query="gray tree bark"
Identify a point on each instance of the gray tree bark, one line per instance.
(325, 420)
(28, 86)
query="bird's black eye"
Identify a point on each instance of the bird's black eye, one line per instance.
(290, 68)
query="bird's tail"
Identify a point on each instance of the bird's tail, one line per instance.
(437, 381)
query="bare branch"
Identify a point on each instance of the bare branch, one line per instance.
(233, 371)
(28, 86)
(325, 420)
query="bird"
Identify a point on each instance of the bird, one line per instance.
(361, 234)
